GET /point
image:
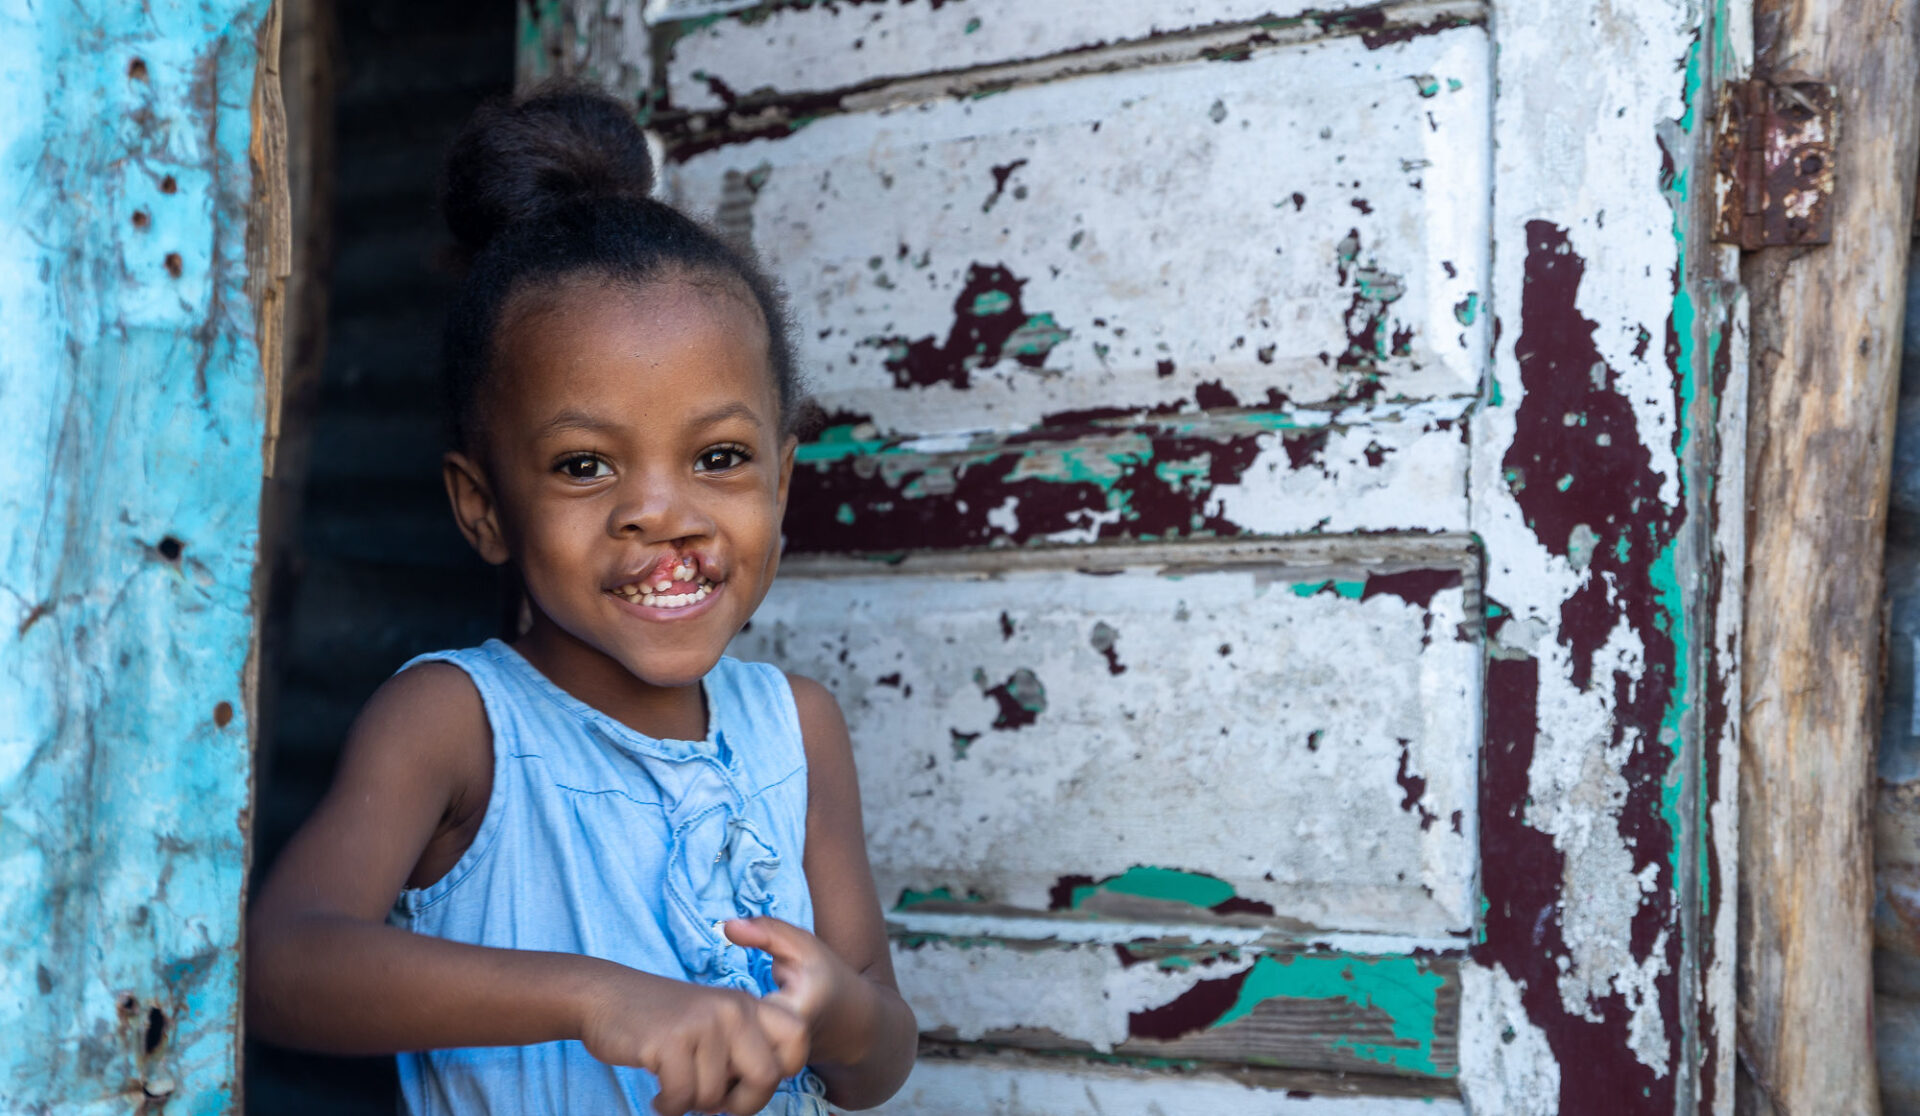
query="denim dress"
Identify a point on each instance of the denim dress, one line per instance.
(603, 841)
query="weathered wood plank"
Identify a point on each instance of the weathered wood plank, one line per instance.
(1600, 984)
(1302, 229)
(135, 383)
(798, 53)
(1826, 345)
(1341, 1012)
(1200, 476)
(1017, 1085)
(1232, 738)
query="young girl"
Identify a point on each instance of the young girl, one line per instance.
(604, 866)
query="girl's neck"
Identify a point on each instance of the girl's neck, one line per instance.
(662, 712)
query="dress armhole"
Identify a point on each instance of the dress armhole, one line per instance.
(473, 663)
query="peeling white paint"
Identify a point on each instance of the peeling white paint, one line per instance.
(1081, 993)
(1131, 200)
(1506, 1066)
(1035, 1087)
(1254, 736)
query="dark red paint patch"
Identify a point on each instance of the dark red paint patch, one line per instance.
(1000, 176)
(1060, 895)
(986, 313)
(963, 509)
(1213, 395)
(1196, 1009)
(1416, 587)
(1237, 905)
(1414, 787)
(1563, 476)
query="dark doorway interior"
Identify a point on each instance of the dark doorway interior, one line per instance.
(374, 571)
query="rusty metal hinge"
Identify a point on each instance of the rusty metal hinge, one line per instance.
(1773, 164)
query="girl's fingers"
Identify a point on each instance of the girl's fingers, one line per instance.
(676, 1085)
(755, 1074)
(786, 1035)
(711, 1078)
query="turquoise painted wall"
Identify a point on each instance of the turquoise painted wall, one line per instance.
(131, 402)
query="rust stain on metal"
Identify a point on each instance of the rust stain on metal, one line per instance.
(1773, 160)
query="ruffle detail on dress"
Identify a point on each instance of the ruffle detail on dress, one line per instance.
(720, 867)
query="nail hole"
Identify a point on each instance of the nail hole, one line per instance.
(169, 186)
(173, 264)
(141, 220)
(223, 714)
(170, 548)
(128, 1003)
(137, 69)
(1811, 165)
(156, 1029)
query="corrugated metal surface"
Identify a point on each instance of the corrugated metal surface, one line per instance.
(380, 573)
(1897, 821)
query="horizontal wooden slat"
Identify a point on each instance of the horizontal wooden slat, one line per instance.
(795, 51)
(1252, 740)
(1208, 476)
(1303, 229)
(1022, 1085)
(1316, 1010)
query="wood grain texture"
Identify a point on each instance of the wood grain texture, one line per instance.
(1825, 361)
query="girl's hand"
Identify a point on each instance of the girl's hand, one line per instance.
(814, 984)
(713, 1049)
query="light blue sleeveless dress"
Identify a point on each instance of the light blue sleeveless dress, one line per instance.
(603, 841)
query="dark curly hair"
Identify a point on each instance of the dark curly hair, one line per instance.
(556, 184)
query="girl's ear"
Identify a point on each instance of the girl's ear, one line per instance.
(474, 508)
(787, 449)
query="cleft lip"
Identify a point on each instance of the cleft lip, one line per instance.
(675, 568)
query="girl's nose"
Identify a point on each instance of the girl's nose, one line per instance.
(659, 510)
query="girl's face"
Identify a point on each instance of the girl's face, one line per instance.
(633, 441)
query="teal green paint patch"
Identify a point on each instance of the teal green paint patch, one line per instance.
(1564, 482)
(1427, 84)
(835, 443)
(988, 303)
(844, 514)
(1453, 85)
(1402, 988)
(1167, 884)
(910, 898)
(1351, 590)
(1036, 336)
(1467, 308)
(1495, 398)
(973, 25)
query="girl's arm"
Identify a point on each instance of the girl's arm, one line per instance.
(865, 1039)
(324, 971)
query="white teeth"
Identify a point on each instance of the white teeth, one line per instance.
(662, 586)
(684, 571)
(666, 600)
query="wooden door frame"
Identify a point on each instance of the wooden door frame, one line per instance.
(1826, 369)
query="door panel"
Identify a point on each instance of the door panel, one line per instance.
(1124, 311)
(777, 55)
(1302, 229)
(1288, 747)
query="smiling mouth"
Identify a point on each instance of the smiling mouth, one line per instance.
(681, 587)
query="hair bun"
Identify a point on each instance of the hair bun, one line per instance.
(523, 159)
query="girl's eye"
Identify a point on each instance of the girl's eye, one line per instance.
(720, 459)
(584, 467)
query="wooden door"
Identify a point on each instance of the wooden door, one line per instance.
(1266, 532)
(142, 245)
